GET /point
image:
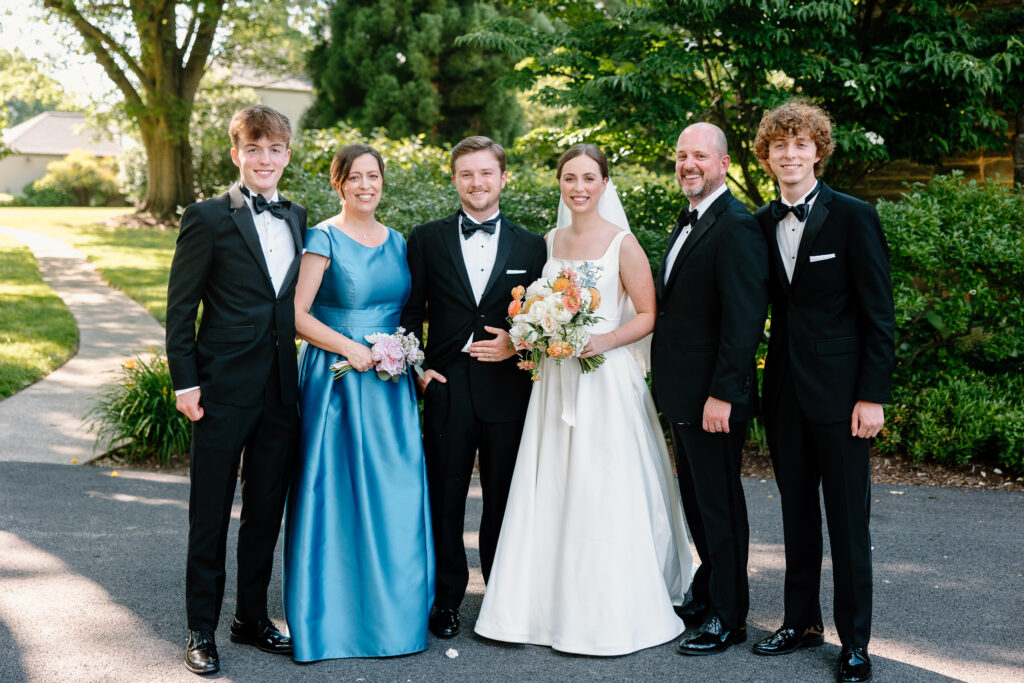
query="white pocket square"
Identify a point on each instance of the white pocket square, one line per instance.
(821, 257)
(514, 272)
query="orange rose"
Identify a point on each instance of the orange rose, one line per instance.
(518, 292)
(514, 307)
(560, 349)
(530, 302)
(560, 283)
(595, 298)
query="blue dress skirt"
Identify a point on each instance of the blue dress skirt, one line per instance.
(358, 549)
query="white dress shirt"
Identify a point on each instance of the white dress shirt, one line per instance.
(479, 251)
(790, 231)
(677, 246)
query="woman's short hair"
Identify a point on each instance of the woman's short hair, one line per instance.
(341, 165)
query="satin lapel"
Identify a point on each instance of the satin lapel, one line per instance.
(698, 233)
(506, 240)
(450, 236)
(293, 269)
(816, 219)
(770, 228)
(242, 217)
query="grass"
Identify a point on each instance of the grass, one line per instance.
(37, 331)
(135, 260)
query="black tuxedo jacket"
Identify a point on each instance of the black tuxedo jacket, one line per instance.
(833, 327)
(711, 316)
(218, 261)
(442, 295)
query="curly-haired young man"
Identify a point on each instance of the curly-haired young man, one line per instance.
(827, 374)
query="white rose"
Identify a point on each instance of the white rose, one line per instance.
(538, 309)
(537, 288)
(519, 331)
(561, 314)
(549, 324)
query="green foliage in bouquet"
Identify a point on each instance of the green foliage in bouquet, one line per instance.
(957, 254)
(138, 414)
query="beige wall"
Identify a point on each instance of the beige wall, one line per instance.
(18, 170)
(289, 102)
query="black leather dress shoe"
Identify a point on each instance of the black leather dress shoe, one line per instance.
(444, 622)
(201, 653)
(854, 665)
(787, 640)
(263, 634)
(692, 612)
(711, 639)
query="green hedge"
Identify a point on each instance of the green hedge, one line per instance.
(957, 253)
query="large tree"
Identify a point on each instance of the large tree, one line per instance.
(911, 79)
(394, 64)
(156, 51)
(26, 89)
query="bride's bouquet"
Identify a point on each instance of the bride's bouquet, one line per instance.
(553, 317)
(393, 355)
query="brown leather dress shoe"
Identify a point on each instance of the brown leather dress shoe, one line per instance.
(712, 638)
(263, 634)
(854, 665)
(787, 640)
(201, 653)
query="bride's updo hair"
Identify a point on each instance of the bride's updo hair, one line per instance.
(583, 149)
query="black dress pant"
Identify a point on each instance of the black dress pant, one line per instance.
(268, 433)
(805, 456)
(708, 466)
(452, 435)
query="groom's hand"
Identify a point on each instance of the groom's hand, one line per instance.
(867, 420)
(493, 350)
(716, 416)
(188, 403)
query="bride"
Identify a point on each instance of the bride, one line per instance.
(593, 553)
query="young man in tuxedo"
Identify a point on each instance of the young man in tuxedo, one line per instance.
(464, 267)
(237, 379)
(712, 301)
(827, 374)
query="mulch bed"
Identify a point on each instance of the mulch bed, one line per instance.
(885, 470)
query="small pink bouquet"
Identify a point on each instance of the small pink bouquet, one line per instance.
(552, 318)
(393, 355)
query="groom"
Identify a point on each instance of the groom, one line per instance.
(828, 372)
(236, 379)
(464, 267)
(712, 301)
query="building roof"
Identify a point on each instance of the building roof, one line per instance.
(57, 133)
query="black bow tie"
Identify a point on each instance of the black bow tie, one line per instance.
(469, 227)
(779, 210)
(688, 217)
(278, 209)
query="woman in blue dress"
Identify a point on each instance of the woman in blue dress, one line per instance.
(359, 563)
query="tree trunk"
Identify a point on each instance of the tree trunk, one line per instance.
(1018, 150)
(169, 185)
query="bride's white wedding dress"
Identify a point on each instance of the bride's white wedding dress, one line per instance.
(593, 551)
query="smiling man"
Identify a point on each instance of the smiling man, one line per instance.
(712, 301)
(464, 268)
(827, 374)
(237, 379)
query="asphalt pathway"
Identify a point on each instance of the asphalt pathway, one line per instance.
(92, 566)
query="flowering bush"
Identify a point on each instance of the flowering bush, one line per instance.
(138, 413)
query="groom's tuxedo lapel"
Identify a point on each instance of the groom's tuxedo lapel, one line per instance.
(815, 221)
(450, 235)
(698, 233)
(242, 217)
(659, 281)
(506, 240)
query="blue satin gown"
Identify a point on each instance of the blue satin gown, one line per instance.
(358, 550)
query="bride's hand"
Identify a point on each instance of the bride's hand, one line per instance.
(598, 344)
(358, 356)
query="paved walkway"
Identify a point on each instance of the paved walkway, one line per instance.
(92, 566)
(43, 422)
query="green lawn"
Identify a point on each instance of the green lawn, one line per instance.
(37, 331)
(134, 260)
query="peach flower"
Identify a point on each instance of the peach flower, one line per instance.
(560, 284)
(518, 292)
(595, 298)
(514, 307)
(560, 349)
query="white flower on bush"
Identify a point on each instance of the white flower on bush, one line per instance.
(874, 138)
